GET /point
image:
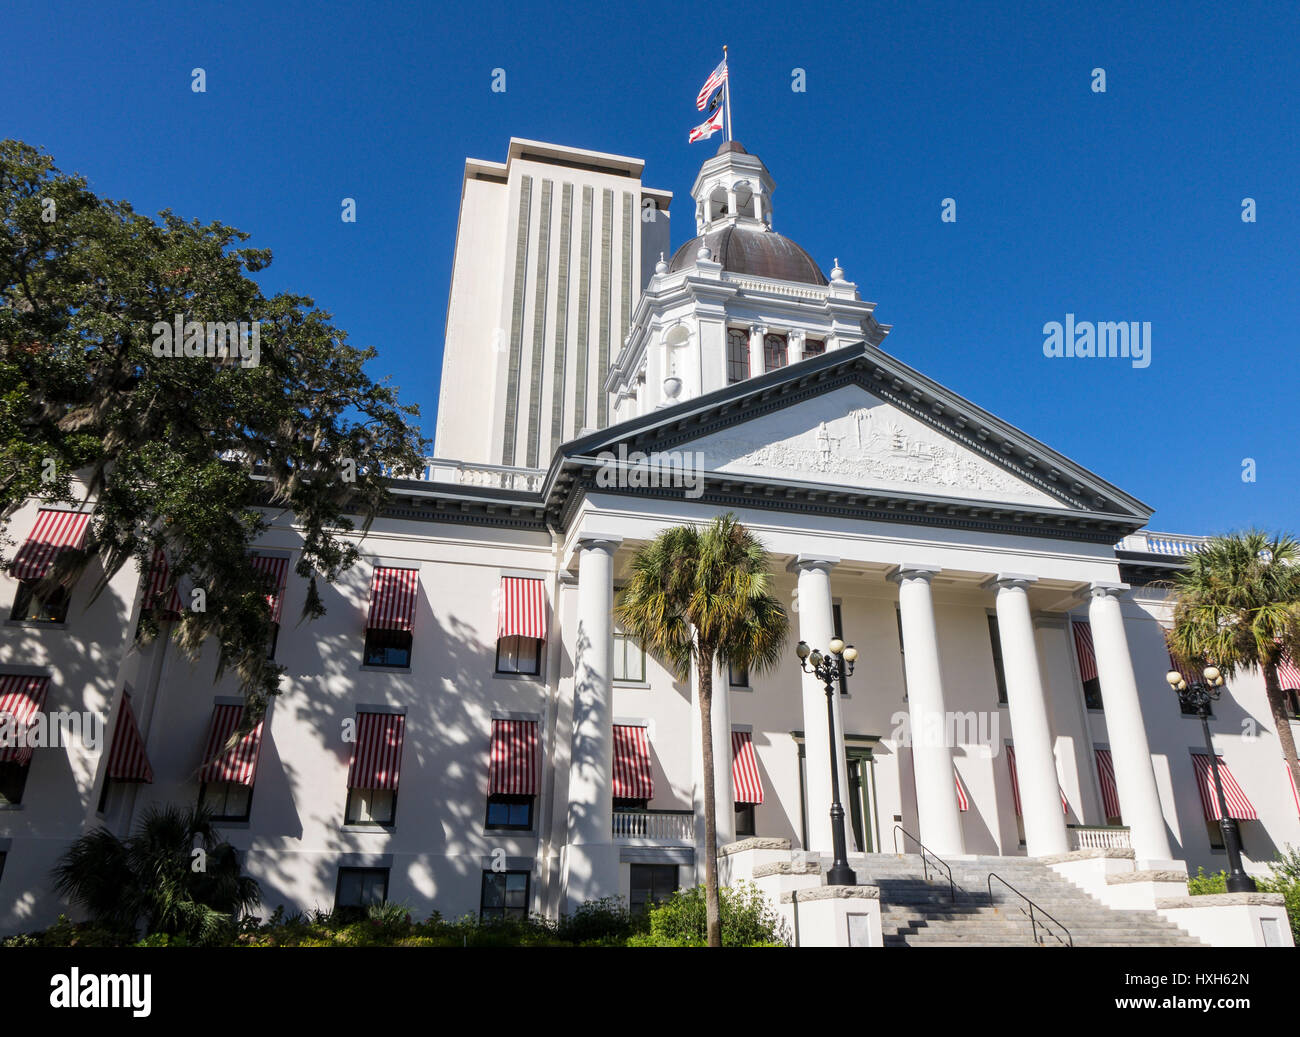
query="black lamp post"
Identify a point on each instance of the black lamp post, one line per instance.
(1197, 697)
(828, 669)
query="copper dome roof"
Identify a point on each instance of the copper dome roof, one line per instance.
(762, 253)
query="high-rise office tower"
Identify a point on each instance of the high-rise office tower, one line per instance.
(553, 248)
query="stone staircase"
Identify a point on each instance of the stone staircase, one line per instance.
(916, 912)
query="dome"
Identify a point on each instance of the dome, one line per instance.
(762, 253)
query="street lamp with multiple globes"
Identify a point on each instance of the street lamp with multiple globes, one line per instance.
(1197, 698)
(828, 668)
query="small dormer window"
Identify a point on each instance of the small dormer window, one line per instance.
(775, 354)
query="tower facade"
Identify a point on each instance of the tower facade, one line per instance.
(552, 250)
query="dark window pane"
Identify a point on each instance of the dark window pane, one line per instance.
(370, 807)
(505, 895)
(999, 674)
(30, 608)
(744, 819)
(651, 884)
(510, 812)
(388, 648)
(737, 356)
(774, 352)
(737, 676)
(228, 800)
(13, 779)
(361, 887)
(1092, 693)
(519, 655)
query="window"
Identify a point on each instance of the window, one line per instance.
(1216, 834)
(359, 888)
(387, 648)
(275, 637)
(3, 855)
(514, 812)
(29, 608)
(1092, 693)
(774, 352)
(838, 626)
(999, 674)
(902, 652)
(1292, 701)
(370, 807)
(629, 805)
(737, 676)
(13, 779)
(744, 820)
(737, 355)
(228, 800)
(813, 347)
(519, 655)
(629, 659)
(505, 895)
(651, 884)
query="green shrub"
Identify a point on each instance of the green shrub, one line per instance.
(600, 923)
(748, 920)
(1202, 884)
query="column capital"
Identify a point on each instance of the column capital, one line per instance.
(758, 329)
(606, 542)
(803, 563)
(1104, 589)
(913, 571)
(1010, 581)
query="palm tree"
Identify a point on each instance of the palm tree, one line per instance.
(154, 875)
(696, 596)
(1238, 606)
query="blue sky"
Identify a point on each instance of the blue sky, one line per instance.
(1122, 206)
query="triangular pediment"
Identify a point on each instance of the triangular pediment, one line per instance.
(857, 432)
(849, 438)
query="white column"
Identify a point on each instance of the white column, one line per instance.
(1035, 763)
(794, 343)
(758, 201)
(1135, 779)
(731, 201)
(817, 627)
(936, 791)
(756, 333)
(591, 870)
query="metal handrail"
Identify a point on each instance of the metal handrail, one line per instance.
(1032, 906)
(925, 867)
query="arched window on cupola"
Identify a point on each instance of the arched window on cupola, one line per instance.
(775, 354)
(717, 207)
(813, 347)
(737, 355)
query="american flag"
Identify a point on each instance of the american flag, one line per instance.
(716, 78)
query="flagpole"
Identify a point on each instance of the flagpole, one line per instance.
(727, 87)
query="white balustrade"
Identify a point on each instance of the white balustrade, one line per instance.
(1100, 837)
(666, 826)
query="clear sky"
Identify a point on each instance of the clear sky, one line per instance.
(1117, 206)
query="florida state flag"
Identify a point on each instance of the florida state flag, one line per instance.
(705, 130)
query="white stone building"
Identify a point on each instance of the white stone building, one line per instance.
(467, 730)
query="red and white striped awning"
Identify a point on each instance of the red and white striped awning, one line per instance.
(1109, 790)
(1083, 647)
(22, 697)
(523, 608)
(745, 779)
(1015, 784)
(633, 775)
(377, 753)
(55, 531)
(126, 756)
(1189, 672)
(1290, 777)
(392, 600)
(1288, 674)
(512, 767)
(1239, 806)
(276, 570)
(963, 800)
(236, 763)
(158, 574)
